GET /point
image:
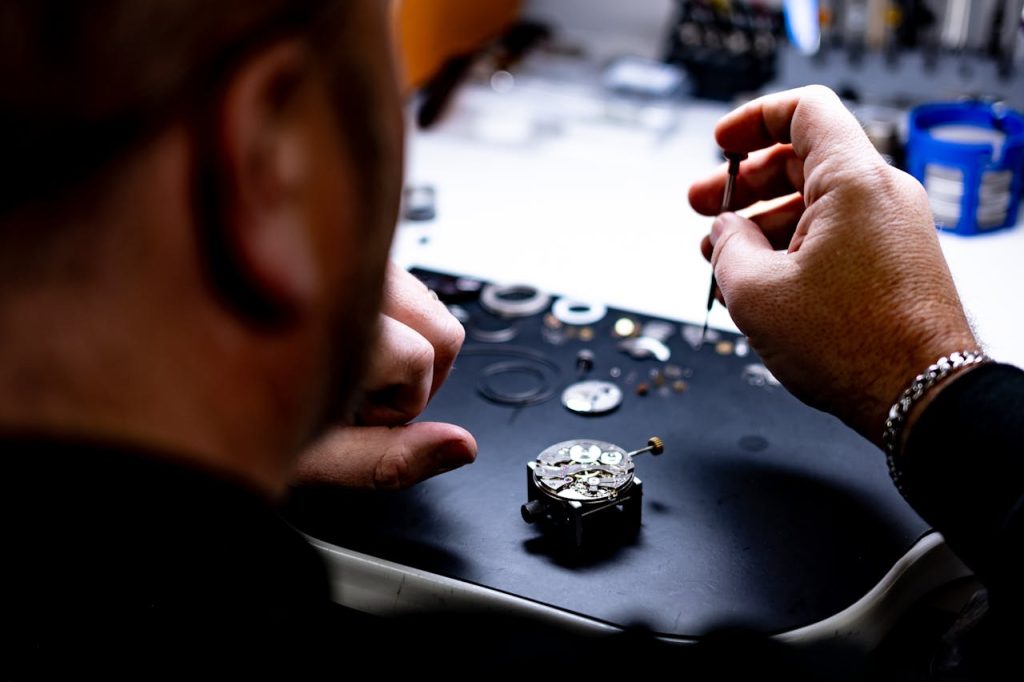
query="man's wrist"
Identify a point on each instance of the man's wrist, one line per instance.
(913, 401)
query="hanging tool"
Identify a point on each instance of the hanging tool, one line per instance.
(730, 183)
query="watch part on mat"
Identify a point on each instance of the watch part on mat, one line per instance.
(552, 322)
(578, 313)
(658, 329)
(625, 327)
(677, 372)
(583, 470)
(579, 488)
(584, 361)
(758, 375)
(538, 384)
(695, 337)
(592, 397)
(492, 330)
(513, 300)
(642, 347)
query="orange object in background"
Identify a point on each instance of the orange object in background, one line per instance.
(430, 32)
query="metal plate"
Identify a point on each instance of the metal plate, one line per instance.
(592, 397)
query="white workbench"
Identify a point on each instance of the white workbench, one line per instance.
(545, 185)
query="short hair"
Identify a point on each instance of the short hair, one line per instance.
(81, 83)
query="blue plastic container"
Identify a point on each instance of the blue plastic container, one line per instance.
(970, 158)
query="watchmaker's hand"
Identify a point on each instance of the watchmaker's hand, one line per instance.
(418, 340)
(842, 288)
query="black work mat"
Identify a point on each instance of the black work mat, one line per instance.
(762, 511)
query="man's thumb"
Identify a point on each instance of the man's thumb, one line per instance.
(739, 253)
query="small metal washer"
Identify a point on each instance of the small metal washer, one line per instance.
(498, 299)
(576, 312)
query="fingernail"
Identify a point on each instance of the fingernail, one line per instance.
(454, 455)
(717, 227)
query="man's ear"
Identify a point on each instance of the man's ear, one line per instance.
(261, 253)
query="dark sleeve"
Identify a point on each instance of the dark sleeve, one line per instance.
(963, 471)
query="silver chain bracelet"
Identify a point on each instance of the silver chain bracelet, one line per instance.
(942, 368)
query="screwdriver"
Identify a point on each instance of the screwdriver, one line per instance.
(730, 183)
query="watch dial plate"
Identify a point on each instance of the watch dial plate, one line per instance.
(592, 397)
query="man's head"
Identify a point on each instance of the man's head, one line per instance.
(195, 213)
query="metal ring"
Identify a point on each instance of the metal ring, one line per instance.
(576, 312)
(543, 391)
(495, 299)
(501, 335)
(520, 352)
(534, 359)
